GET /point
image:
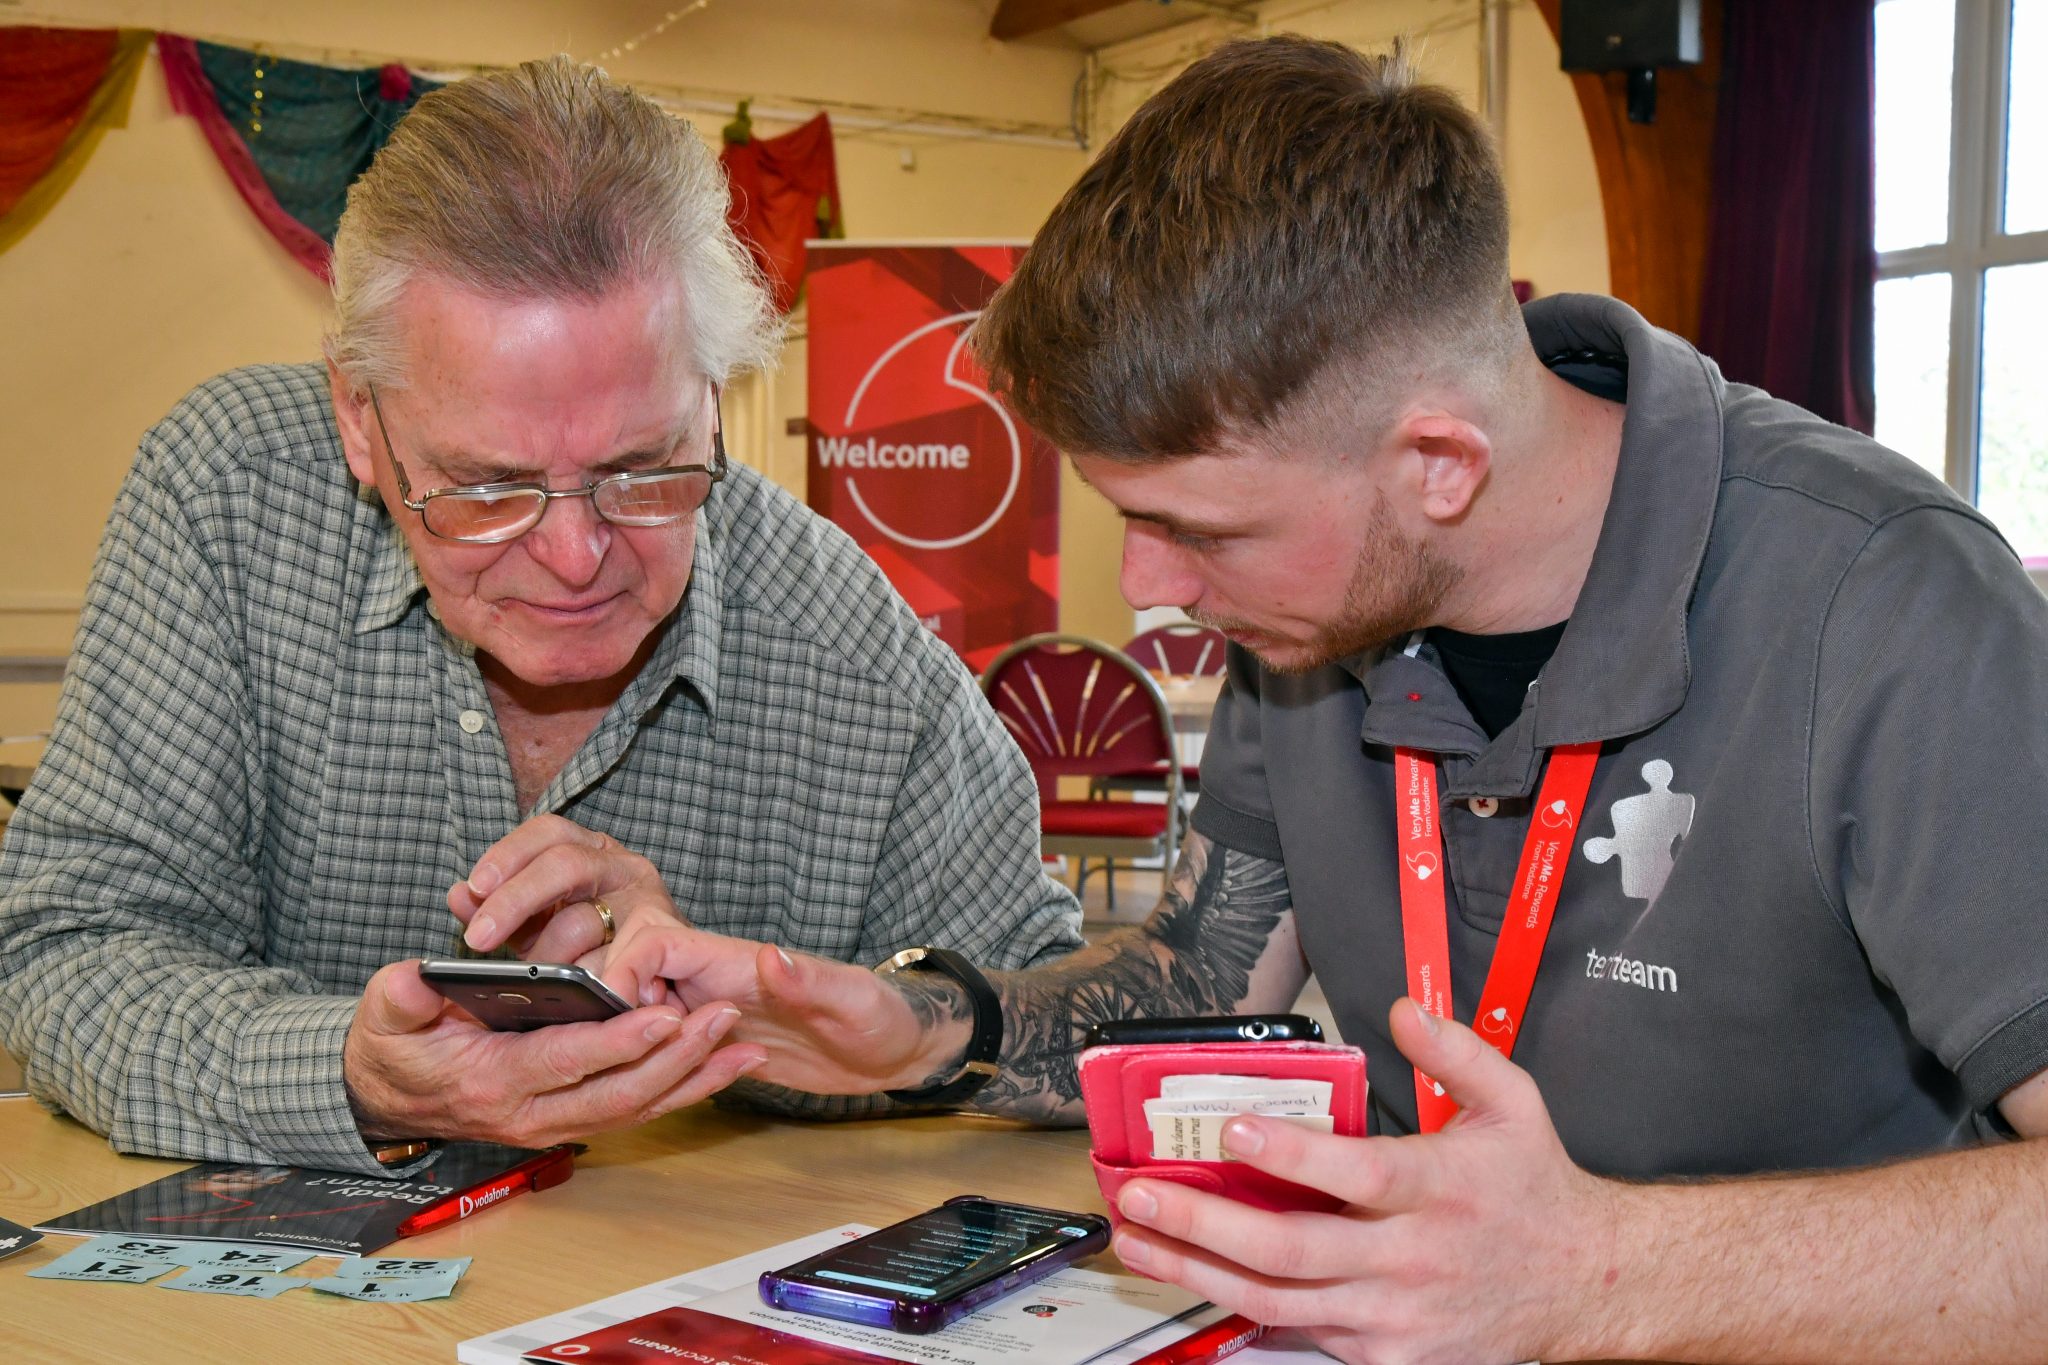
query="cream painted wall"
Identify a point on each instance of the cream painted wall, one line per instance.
(1557, 237)
(150, 274)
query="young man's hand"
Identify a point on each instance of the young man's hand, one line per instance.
(1481, 1242)
(825, 1027)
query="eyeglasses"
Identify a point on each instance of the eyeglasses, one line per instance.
(492, 513)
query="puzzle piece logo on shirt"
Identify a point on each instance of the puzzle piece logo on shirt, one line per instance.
(1647, 831)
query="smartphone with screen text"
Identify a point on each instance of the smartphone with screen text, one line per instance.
(517, 997)
(1208, 1028)
(924, 1272)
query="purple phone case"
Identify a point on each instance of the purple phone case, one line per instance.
(904, 1313)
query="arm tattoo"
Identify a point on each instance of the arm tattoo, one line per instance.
(935, 1001)
(1195, 955)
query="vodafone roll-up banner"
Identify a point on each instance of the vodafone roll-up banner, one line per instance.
(955, 498)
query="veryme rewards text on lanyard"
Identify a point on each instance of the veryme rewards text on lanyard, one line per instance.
(1539, 877)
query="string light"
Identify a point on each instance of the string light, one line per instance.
(256, 102)
(654, 32)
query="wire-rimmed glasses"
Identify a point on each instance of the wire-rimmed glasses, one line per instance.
(493, 513)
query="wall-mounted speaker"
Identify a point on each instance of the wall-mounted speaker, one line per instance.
(1620, 35)
(1636, 36)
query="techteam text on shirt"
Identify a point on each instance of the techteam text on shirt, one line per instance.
(1629, 971)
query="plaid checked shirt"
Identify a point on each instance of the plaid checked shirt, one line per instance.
(270, 762)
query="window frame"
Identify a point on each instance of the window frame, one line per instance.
(1977, 242)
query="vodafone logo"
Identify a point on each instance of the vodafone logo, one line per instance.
(1423, 865)
(869, 454)
(483, 1201)
(1496, 1022)
(1556, 815)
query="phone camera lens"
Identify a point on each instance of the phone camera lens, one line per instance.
(533, 972)
(1257, 1030)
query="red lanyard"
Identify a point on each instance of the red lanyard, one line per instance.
(1425, 935)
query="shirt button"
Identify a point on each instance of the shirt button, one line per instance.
(1483, 806)
(470, 721)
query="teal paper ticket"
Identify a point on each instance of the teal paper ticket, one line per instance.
(250, 1284)
(90, 1263)
(386, 1291)
(400, 1268)
(133, 1248)
(237, 1256)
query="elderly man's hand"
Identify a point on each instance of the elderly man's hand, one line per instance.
(1481, 1242)
(418, 1066)
(537, 889)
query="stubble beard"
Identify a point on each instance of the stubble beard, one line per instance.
(1397, 584)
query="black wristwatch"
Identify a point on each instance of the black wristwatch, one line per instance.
(983, 1047)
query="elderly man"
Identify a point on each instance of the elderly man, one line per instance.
(481, 614)
(1685, 746)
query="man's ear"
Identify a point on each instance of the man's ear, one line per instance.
(352, 418)
(1448, 459)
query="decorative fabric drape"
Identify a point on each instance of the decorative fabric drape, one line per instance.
(1791, 265)
(292, 136)
(785, 191)
(60, 89)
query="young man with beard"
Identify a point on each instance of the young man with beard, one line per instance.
(1534, 615)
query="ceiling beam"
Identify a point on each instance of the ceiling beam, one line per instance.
(1022, 18)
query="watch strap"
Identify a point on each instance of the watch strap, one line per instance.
(984, 1045)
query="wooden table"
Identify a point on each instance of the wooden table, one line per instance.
(689, 1190)
(1190, 700)
(686, 1191)
(32, 668)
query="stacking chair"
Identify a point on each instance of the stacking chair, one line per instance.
(1181, 650)
(1080, 708)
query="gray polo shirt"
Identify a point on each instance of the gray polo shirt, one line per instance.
(1802, 924)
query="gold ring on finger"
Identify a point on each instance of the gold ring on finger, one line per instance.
(604, 913)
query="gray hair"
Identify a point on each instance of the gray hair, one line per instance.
(547, 181)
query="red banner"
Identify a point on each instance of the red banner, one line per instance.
(955, 498)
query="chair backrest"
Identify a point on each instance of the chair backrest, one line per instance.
(1078, 706)
(1181, 650)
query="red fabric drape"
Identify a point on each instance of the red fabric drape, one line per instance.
(47, 79)
(1788, 298)
(785, 191)
(193, 95)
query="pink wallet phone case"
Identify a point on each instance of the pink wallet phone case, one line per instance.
(1116, 1081)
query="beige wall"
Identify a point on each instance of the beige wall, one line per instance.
(150, 274)
(1558, 238)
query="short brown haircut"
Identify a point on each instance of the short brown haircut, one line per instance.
(1281, 204)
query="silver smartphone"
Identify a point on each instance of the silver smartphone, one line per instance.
(514, 997)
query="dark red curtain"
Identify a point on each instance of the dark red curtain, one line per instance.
(785, 191)
(1788, 294)
(47, 78)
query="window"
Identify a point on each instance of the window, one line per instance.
(1962, 242)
